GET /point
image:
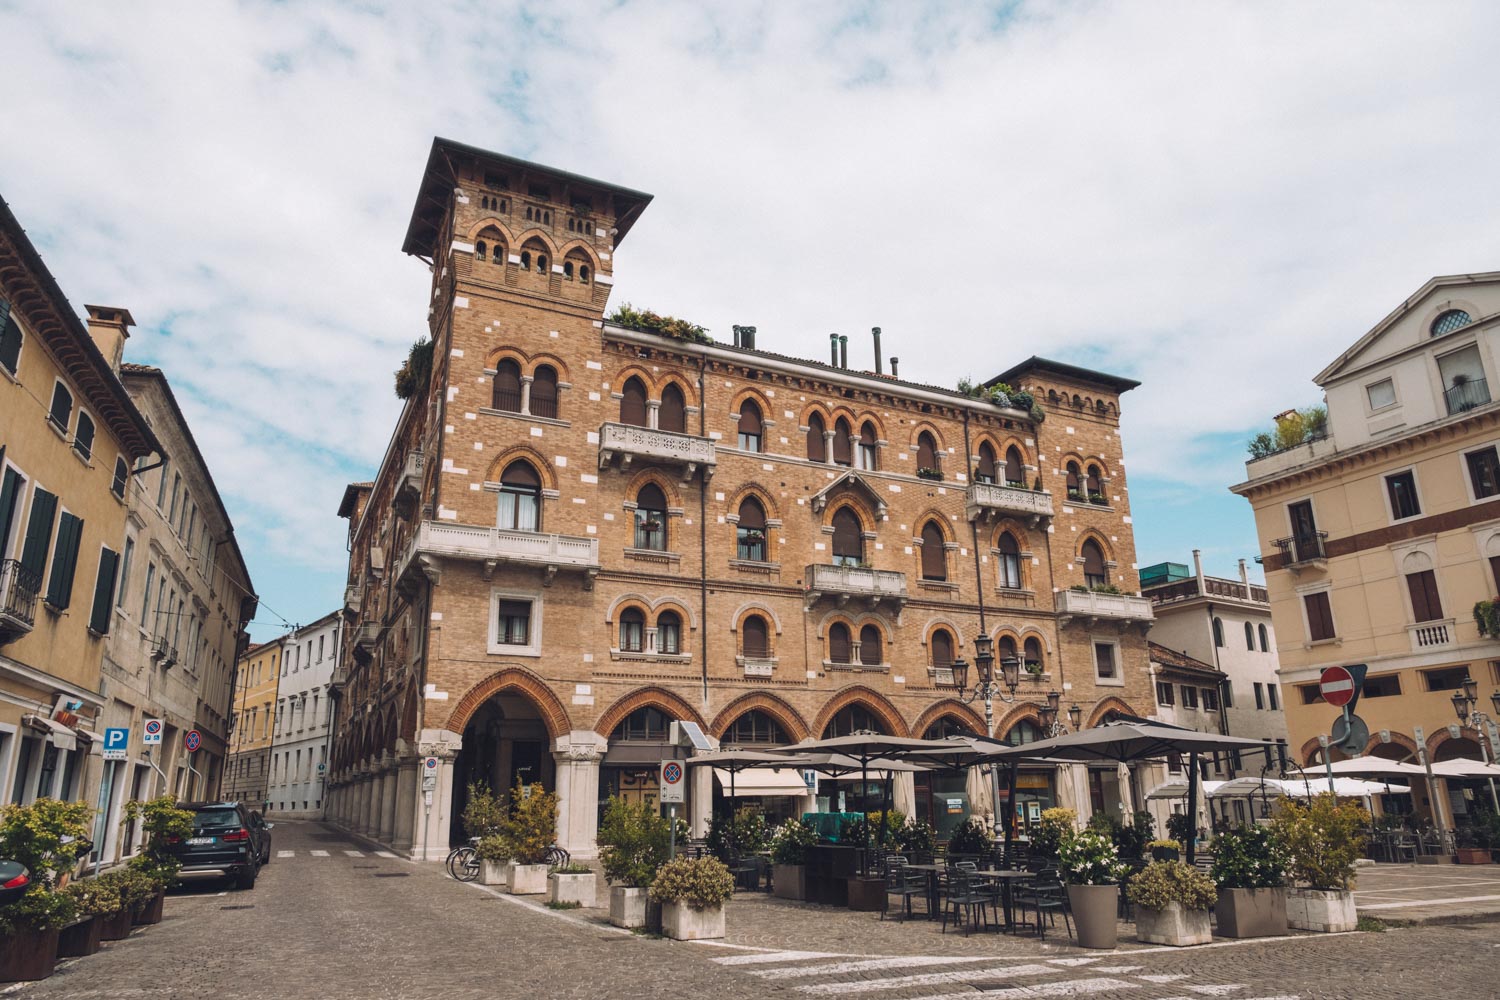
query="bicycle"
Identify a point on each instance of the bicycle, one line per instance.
(463, 862)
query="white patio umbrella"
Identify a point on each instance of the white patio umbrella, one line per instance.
(1172, 788)
(1464, 767)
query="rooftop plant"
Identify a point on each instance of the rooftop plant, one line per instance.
(414, 375)
(667, 326)
(1292, 428)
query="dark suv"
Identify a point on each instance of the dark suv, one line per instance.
(228, 841)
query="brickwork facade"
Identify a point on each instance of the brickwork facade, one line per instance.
(578, 520)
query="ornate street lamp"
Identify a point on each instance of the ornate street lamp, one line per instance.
(1464, 701)
(1048, 713)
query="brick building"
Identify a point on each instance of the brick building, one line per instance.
(583, 531)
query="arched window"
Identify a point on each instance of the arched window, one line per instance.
(870, 646)
(1033, 655)
(946, 728)
(817, 446)
(750, 426)
(673, 413)
(750, 533)
(520, 497)
(507, 395)
(1265, 644)
(1218, 633)
(755, 728)
(651, 518)
(1015, 467)
(1094, 573)
(541, 263)
(83, 436)
(1453, 319)
(851, 720)
(644, 725)
(940, 648)
(1008, 561)
(1023, 732)
(984, 472)
(1249, 637)
(525, 260)
(848, 538)
(669, 632)
(843, 448)
(1095, 484)
(869, 450)
(568, 270)
(479, 250)
(839, 645)
(632, 630)
(755, 638)
(927, 453)
(544, 392)
(633, 402)
(1075, 482)
(583, 273)
(1005, 649)
(934, 555)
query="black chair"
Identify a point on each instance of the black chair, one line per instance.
(963, 897)
(1046, 894)
(905, 884)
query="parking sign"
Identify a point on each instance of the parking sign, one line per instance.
(116, 742)
(671, 782)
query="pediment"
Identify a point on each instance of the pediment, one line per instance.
(1411, 323)
(850, 481)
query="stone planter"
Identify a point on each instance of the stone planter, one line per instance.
(789, 881)
(1095, 908)
(115, 926)
(1326, 910)
(494, 872)
(1474, 856)
(150, 911)
(25, 957)
(578, 888)
(1176, 925)
(527, 880)
(867, 894)
(1248, 913)
(80, 939)
(627, 906)
(683, 923)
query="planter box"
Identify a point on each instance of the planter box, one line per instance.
(578, 889)
(683, 923)
(789, 881)
(627, 906)
(25, 957)
(1327, 910)
(1474, 856)
(1176, 925)
(1248, 913)
(867, 894)
(494, 872)
(528, 880)
(115, 926)
(150, 911)
(1095, 909)
(81, 939)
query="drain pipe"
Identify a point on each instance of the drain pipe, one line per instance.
(703, 532)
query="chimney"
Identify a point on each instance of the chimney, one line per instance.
(894, 362)
(1244, 574)
(736, 336)
(1198, 568)
(833, 349)
(875, 332)
(110, 328)
(747, 337)
(843, 351)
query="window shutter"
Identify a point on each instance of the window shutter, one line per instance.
(10, 500)
(508, 386)
(104, 592)
(1014, 471)
(838, 643)
(544, 392)
(867, 435)
(934, 558)
(756, 644)
(816, 446)
(633, 403)
(10, 339)
(843, 450)
(752, 515)
(1093, 559)
(846, 534)
(1319, 616)
(750, 418)
(942, 649)
(869, 646)
(64, 561)
(673, 413)
(62, 405)
(926, 452)
(1426, 606)
(39, 533)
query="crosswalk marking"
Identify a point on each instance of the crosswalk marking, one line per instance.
(772, 956)
(1218, 991)
(355, 854)
(384, 854)
(285, 854)
(864, 965)
(1116, 970)
(1064, 988)
(1163, 978)
(928, 979)
(1072, 961)
(318, 854)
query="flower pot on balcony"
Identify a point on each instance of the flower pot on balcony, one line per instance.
(577, 888)
(789, 881)
(1326, 910)
(150, 911)
(494, 872)
(627, 906)
(867, 894)
(1176, 925)
(528, 880)
(1094, 914)
(115, 926)
(683, 923)
(1248, 913)
(28, 956)
(1474, 856)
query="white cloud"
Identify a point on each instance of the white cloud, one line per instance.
(1214, 198)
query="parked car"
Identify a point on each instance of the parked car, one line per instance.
(258, 823)
(14, 880)
(226, 843)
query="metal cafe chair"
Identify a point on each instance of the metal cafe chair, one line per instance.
(904, 884)
(964, 900)
(1046, 895)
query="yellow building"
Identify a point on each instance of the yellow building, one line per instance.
(1381, 532)
(257, 677)
(69, 437)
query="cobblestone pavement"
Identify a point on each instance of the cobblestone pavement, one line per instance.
(1429, 892)
(332, 918)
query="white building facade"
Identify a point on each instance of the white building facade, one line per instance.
(299, 741)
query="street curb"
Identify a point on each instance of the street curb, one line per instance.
(1441, 919)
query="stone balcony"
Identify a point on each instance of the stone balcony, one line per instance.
(987, 500)
(354, 599)
(366, 639)
(434, 541)
(626, 443)
(845, 582)
(1096, 607)
(409, 484)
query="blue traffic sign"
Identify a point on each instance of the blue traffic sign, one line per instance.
(116, 742)
(192, 741)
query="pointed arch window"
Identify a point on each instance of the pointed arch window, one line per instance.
(817, 444)
(940, 648)
(1094, 573)
(839, 645)
(869, 451)
(756, 728)
(544, 392)
(669, 633)
(1075, 482)
(651, 518)
(871, 648)
(644, 725)
(632, 630)
(927, 452)
(750, 533)
(507, 395)
(843, 447)
(934, 554)
(1249, 637)
(851, 720)
(848, 538)
(984, 471)
(1009, 562)
(1219, 633)
(750, 427)
(520, 497)
(1094, 483)
(755, 638)
(673, 413)
(1015, 467)
(633, 402)
(1032, 658)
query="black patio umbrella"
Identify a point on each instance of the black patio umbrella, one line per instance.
(735, 760)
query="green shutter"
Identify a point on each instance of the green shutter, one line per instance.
(64, 561)
(10, 339)
(38, 533)
(104, 592)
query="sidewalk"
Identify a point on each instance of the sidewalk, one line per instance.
(1429, 894)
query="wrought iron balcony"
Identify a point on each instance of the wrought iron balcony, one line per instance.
(991, 499)
(627, 443)
(1464, 396)
(434, 541)
(844, 582)
(1094, 606)
(19, 588)
(1304, 550)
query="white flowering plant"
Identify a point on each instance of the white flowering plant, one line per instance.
(1089, 857)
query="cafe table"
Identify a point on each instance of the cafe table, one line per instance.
(1006, 877)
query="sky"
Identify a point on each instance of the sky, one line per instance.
(1212, 198)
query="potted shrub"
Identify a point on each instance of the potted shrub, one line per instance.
(572, 883)
(1172, 900)
(917, 839)
(1476, 840)
(47, 837)
(634, 840)
(1165, 850)
(131, 888)
(692, 892)
(971, 838)
(164, 825)
(494, 860)
(529, 830)
(95, 902)
(1054, 826)
(1091, 868)
(1180, 828)
(1323, 841)
(789, 844)
(484, 817)
(1249, 868)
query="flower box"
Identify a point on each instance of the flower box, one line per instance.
(80, 938)
(527, 880)
(1095, 908)
(683, 923)
(627, 906)
(1327, 910)
(1474, 856)
(577, 888)
(867, 894)
(27, 957)
(1176, 925)
(494, 872)
(115, 926)
(150, 911)
(1248, 913)
(789, 881)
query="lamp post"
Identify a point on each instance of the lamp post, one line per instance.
(1464, 701)
(1050, 721)
(988, 690)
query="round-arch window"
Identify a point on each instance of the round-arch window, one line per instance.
(1453, 319)
(870, 653)
(756, 727)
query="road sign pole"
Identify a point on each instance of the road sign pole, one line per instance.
(103, 819)
(1323, 742)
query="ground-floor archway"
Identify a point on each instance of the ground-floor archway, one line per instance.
(505, 740)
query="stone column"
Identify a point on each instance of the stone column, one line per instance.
(700, 799)
(388, 799)
(433, 820)
(653, 413)
(377, 802)
(366, 795)
(828, 437)
(407, 809)
(577, 755)
(526, 381)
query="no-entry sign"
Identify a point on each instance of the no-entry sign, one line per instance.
(1337, 686)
